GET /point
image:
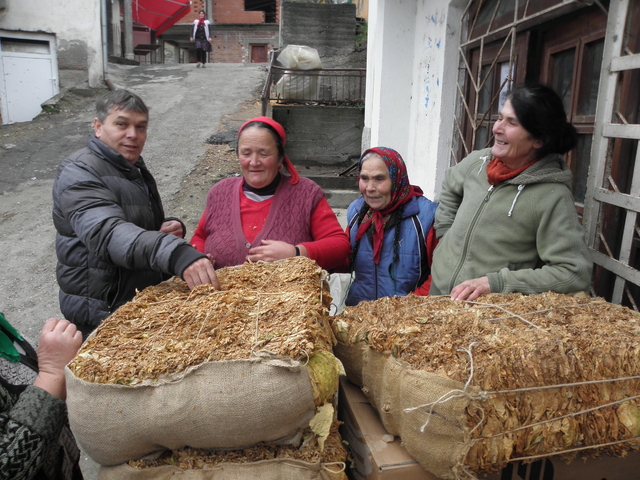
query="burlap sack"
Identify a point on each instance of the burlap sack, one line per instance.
(229, 404)
(280, 469)
(392, 387)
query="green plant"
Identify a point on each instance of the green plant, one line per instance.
(361, 34)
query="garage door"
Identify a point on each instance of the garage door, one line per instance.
(29, 72)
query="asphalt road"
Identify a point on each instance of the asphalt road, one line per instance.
(186, 108)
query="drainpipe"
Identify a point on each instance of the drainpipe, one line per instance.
(105, 53)
(128, 29)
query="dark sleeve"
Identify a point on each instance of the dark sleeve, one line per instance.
(29, 423)
(182, 257)
(100, 223)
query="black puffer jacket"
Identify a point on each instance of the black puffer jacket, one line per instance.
(107, 214)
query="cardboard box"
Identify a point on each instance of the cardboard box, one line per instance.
(380, 456)
(377, 454)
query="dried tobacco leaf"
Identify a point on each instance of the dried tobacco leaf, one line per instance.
(310, 451)
(519, 342)
(279, 307)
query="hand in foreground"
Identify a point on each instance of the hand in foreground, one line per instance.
(201, 272)
(471, 289)
(272, 250)
(172, 227)
(59, 343)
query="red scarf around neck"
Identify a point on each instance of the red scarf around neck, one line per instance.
(498, 172)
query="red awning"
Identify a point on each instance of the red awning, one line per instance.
(159, 15)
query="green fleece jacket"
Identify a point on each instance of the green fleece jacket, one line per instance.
(523, 234)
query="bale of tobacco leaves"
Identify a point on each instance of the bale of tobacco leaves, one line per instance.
(207, 368)
(470, 386)
(313, 460)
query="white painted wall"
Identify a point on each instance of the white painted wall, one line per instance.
(76, 24)
(412, 62)
(390, 44)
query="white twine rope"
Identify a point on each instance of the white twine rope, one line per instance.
(511, 314)
(460, 467)
(590, 447)
(342, 466)
(456, 393)
(535, 312)
(555, 419)
(483, 395)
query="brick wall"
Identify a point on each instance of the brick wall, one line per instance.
(196, 6)
(232, 11)
(233, 30)
(227, 11)
(330, 29)
(232, 43)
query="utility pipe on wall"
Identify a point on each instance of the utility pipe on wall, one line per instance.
(128, 30)
(105, 53)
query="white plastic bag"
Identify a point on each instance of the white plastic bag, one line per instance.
(300, 57)
(294, 85)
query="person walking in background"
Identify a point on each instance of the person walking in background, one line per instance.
(266, 215)
(202, 38)
(112, 235)
(391, 230)
(35, 439)
(507, 220)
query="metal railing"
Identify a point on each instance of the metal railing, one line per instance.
(326, 86)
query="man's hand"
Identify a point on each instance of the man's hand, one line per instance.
(201, 272)
(471, 289)
(172, 227)
(272, 250)
(59, 343)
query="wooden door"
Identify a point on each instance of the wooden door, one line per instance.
(259, 54)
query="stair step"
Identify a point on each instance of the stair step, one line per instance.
(334, 182)
(341, 198)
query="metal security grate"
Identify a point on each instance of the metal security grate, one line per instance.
(491, 57)
(326, 86)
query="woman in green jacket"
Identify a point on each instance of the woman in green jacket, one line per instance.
(506, 220)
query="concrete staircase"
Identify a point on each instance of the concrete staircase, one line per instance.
(340, 190)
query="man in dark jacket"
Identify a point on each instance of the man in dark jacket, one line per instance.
(112, 235)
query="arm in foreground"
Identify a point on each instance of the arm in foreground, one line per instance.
(32, 421)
